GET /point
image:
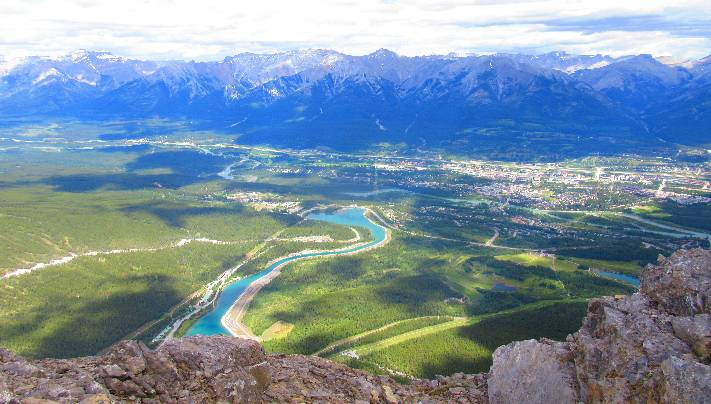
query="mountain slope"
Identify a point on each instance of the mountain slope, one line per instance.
(554, 104)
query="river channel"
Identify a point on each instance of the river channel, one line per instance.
(211, 323)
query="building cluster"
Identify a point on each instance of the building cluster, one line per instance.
(262, 201)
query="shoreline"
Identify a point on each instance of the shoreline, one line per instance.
(232, 319)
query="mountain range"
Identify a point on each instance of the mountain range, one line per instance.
(502, 105)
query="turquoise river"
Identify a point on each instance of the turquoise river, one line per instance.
(211, 323)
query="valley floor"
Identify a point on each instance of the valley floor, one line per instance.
(139, 238)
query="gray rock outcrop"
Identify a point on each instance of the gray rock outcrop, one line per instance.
(214, 369)
(532, 371)
(189, 370)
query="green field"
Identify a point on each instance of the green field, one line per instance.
(695, 216)
(82, 307)
(40, 225)
(388, 330)
(467, 346)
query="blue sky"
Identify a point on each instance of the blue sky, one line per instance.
(212, 29)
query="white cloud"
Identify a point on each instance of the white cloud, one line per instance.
(210, 29)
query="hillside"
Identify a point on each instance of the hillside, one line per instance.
(653, 346)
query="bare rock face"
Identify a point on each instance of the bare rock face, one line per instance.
(191, 370)
(653, 346)
(298, 378)
(214, 370)
(695, 331)
(533, 371)
(681, 284)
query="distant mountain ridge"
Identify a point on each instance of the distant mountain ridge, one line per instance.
(500, 103)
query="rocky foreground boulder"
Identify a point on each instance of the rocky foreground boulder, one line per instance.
(653, 346)
(214, 369)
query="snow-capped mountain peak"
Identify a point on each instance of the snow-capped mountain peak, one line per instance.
(447, 93)
(49, 73)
